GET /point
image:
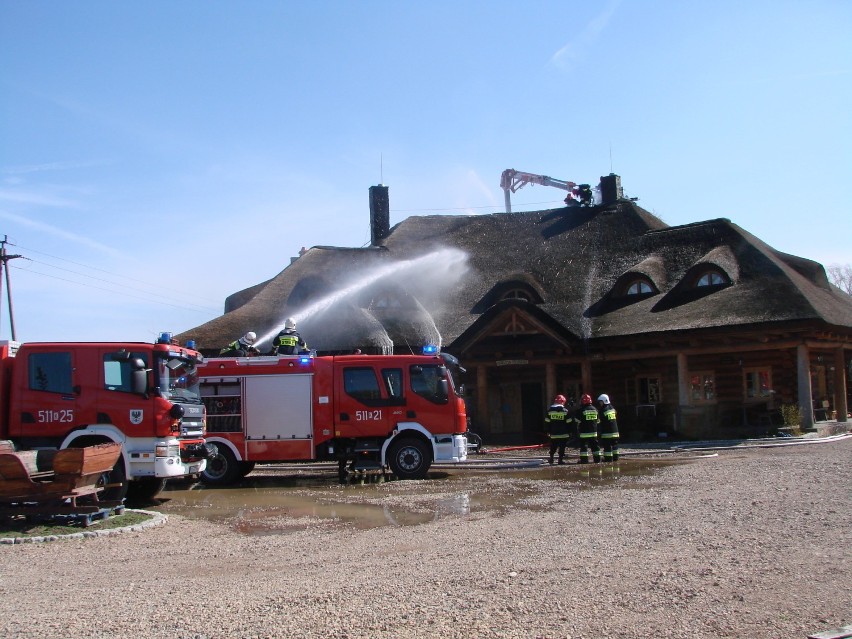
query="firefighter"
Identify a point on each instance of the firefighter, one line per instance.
(609, 429)
(587, 415)
(558, 424)
(288, 341)
(243, 347)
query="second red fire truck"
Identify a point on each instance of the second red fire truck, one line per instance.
(367, 412)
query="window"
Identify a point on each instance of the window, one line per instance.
(711, 278)
(648, 390)
(516, 294)
(117, 372)
(361, 383)
(426, 381)
(702, 387)
(572, 389)
(393, 381)
(50, 372)
(386, 301)
(639, 287)
(757, 383)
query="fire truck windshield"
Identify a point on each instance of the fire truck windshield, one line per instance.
(178, 380)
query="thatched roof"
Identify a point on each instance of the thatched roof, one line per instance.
(438, 275)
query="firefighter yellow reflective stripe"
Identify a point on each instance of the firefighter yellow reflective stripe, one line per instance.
(287, 341)
(588, 434)
(609, 435)
(610, 413)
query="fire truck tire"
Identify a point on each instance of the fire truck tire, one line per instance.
(246, 468)
(222, 468)
(115, 482)
(145, 489)
(409, 458)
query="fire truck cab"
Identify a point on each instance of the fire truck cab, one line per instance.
(56, 395)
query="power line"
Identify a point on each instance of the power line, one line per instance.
(99, 279)
(94, 268)
(110, 290)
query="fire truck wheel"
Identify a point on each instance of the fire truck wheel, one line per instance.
(114, 482)
(145, 489)
(409, 458)
(245, 468)
(222, 468)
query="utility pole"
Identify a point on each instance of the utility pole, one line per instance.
(4, 266)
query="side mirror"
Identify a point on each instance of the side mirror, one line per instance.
(138, 376)
(139, 381)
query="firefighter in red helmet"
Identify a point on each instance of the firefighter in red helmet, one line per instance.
(559, 425)
(587, 416)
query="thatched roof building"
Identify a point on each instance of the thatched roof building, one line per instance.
(569, 300)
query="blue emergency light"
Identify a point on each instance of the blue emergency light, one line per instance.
(165, 338)
(430, 349)
(190, 344)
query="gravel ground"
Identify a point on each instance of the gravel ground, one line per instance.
(748, 543)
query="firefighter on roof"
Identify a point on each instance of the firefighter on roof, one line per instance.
(588, 418)
(559, 425)
(288, 341)
(609, 429)
(243, 347)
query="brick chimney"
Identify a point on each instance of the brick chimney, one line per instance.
(379, 214)
(611, 190)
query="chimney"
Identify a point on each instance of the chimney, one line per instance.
(611, 190)
(379, 214)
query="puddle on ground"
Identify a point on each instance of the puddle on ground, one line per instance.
(276, 499)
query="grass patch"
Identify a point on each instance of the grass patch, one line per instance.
(20, 527)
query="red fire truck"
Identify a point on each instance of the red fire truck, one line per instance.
(144, 396)
(367, 412)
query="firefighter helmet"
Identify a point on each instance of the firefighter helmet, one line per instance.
(289, 324)
(586, 399)
(559, 399)
(604, 398)
(249, 338)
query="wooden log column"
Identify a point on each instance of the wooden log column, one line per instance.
(840, 403)
(803, 371)
(682, 387)
(550, 381)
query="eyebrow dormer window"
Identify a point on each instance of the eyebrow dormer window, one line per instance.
(711, 278)
(639, 287)
(386, 301)
(516, 294)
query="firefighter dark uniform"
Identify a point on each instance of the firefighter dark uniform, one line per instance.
(587, 416)
(608, 430)
(559, 425)
(288, 341)
(243, 347)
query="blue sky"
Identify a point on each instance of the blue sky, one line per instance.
(159, 156)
